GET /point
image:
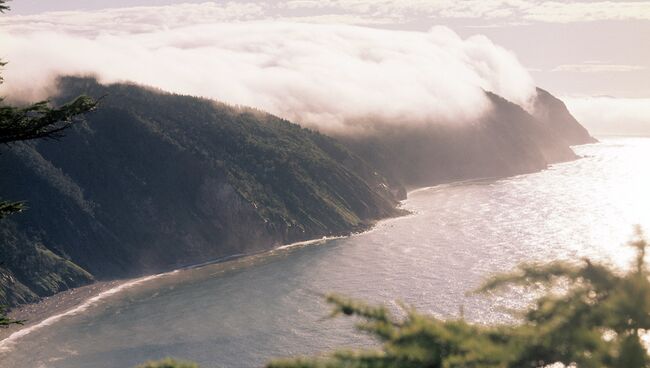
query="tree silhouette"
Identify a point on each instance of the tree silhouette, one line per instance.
(38, 120)
(589, 315)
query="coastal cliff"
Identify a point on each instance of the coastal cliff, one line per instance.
(506, 140)
(152, 181)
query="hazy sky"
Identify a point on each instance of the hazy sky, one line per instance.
(584, 51)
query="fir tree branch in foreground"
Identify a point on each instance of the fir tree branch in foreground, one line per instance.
(168, 363)
(596, 320)
(37, 121)
(7, 208)
(40, 120)
(34, 121)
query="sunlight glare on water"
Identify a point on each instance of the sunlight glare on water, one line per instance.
(241, 313)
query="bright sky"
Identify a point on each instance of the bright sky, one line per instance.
(579, 50)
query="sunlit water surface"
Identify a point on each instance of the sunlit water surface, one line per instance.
(241, 313)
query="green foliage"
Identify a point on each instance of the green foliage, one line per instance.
(596, 321)
(168, 363)
(414, 340)
(7, 208)
(35, 121)
(5, 321)
(39, 120)
(589, 315)
(29, 270)
(24, 123)
(190, 180)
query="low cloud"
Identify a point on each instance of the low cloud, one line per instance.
(324, 75)
(585, 11)
(609, 115)
(133, 20)
(398, 11)
(512, 10)
(597, 67)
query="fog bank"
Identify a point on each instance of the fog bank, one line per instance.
(325, 75)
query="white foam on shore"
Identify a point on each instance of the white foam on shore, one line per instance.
(310, 242)
(8, 343)
(460, 182)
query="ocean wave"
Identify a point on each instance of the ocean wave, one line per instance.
(8, 343)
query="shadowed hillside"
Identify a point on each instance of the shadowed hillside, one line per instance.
(553, 112)
(155, 180)
(505, 141)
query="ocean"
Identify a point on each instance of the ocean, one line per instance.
(242, 312)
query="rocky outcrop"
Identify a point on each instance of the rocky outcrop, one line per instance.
(552, 112)
(506, 140)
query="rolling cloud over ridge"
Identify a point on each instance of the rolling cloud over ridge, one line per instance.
(324, 75)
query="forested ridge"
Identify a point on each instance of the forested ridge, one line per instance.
(150, 181)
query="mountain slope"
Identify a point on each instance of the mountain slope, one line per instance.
(507, 140)
(29, 270)
(154, 180)
(551, 111)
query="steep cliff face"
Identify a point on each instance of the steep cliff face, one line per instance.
(154, 181)
(507, 140)
(553, 112)
(29, 270)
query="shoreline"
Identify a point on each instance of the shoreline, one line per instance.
(54, 305)
(73, 301)
(78, 300)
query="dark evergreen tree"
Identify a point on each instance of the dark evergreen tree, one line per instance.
(168, 363)
(34, 121)
(589, 315)
(38, 120)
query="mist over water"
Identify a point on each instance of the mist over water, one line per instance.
(241, 313)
